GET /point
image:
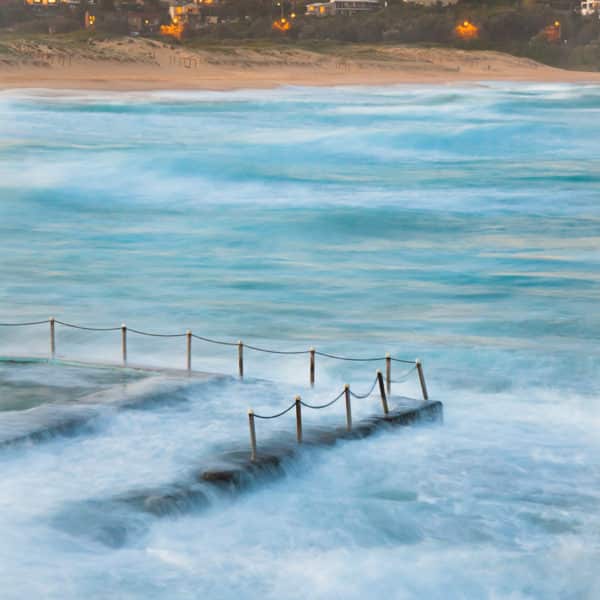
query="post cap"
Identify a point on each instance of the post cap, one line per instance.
(240, 343)
(51, 319)
(378, 372)
(388, 355)
(417, 361)
(298, 398)
(311, 349)
(250, 411)
(346, 386)
(123, 326)
(188, 332)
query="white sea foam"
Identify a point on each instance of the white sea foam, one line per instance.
(454, 223)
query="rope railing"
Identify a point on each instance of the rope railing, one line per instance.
(353, 359)
(347, 392)
(279, 414)
(23, 324)
(384, 388)
(240, 346)
(404, 376)
(159, 335)
(211, 341)
(364, 396)
(402, 360)
(73, 326)
(268, 351)
(326, 405)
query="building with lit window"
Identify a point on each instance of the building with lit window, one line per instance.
(320, 9)
(590, 7)
(341, 7)
(42, 2)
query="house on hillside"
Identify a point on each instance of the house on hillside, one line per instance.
(144, 23)
(53, 3)
(320, 9)
(432, 2)
(342, 7)
(49, 3)
(590, 7)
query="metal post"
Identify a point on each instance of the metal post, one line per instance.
(348, 408)
(241, 359)
(189, 350)
(422, 379)
(124, 342)
(312, 367)
(382, 392)
(52, 338)
(252, 435)
(298, 419)
(388, 373)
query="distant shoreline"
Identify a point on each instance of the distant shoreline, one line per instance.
(145, 65)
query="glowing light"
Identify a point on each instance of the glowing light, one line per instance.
(175, 30)
(467, 31)
(552, 33)
(282, 25)
(293, 15)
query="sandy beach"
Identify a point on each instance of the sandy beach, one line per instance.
(138, 64)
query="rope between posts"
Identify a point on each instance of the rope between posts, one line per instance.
(363, 396)
(319, 406)
(211, 341)
(327, 404)
(73, 326)
(23, 324)
(278, 414)
(257, 349)
(336, 357)
(404, 376)
(161, 335)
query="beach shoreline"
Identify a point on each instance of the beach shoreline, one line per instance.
(146, 65)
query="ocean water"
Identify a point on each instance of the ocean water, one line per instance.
(458, 224)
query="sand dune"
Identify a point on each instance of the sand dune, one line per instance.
(139, 64)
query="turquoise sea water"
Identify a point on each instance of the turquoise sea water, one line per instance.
(457, 224)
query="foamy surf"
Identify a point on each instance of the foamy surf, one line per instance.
(458, 224)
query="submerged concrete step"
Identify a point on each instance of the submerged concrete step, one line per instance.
(270, 457)
(116, 519)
